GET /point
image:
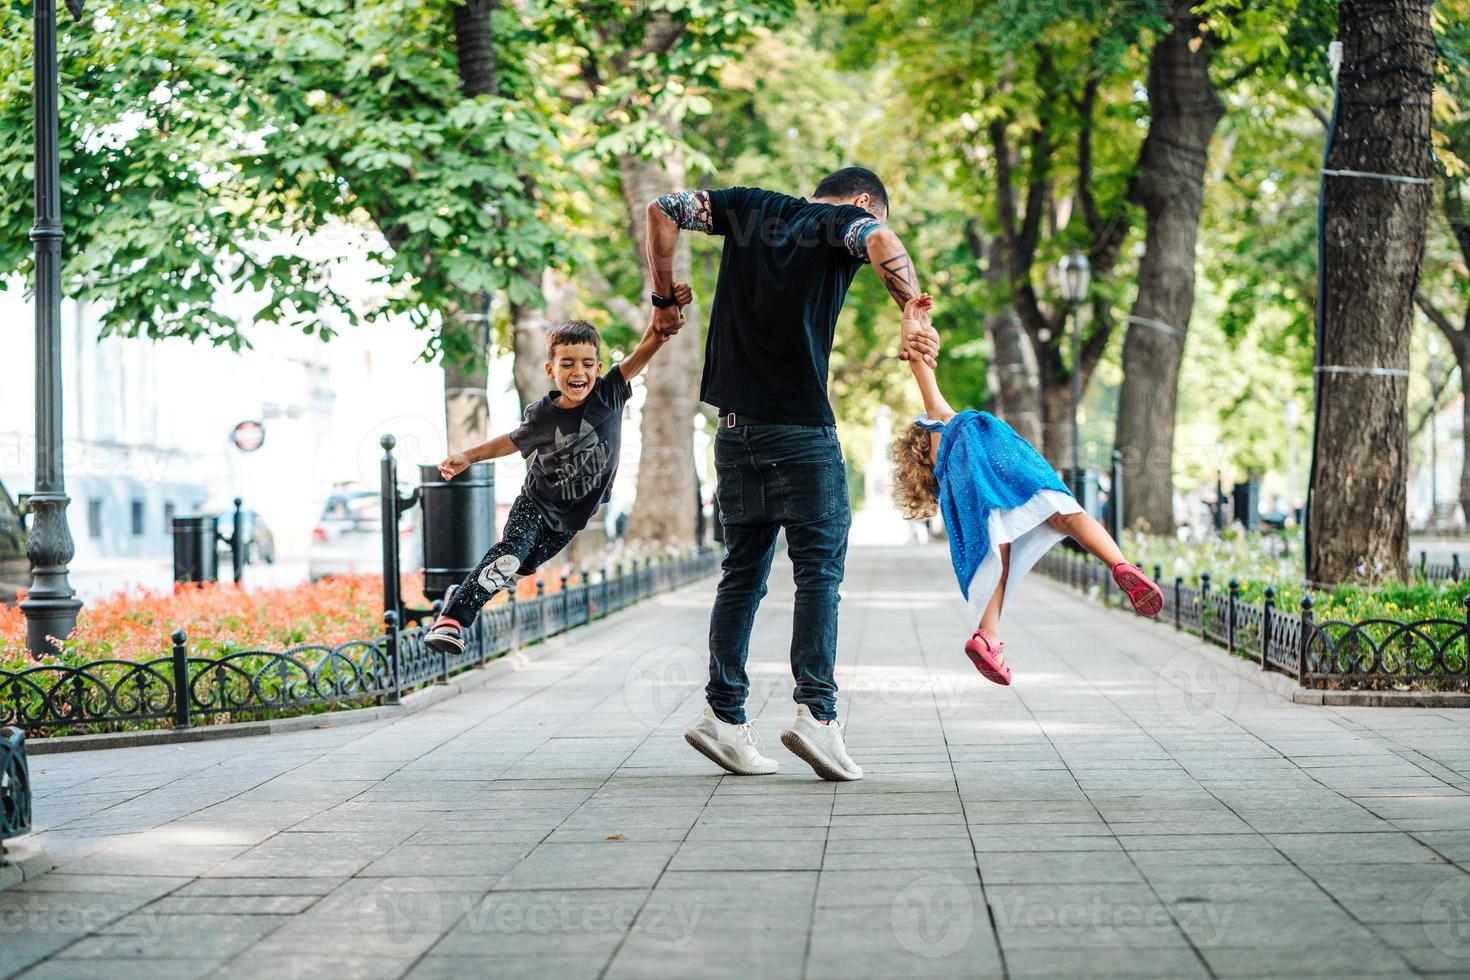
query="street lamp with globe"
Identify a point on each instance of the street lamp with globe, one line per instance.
(1075, 274)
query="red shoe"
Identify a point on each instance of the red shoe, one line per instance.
(983, 652)
(1143, 592)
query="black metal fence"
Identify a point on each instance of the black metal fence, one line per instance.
(1440, 570)
(15, 785)
(1378, 654)
(185, 690)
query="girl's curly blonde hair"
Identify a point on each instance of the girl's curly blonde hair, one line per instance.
(915, 489)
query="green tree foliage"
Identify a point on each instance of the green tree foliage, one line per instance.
(237, 145)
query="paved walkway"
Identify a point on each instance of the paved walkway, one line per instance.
(1126, 808)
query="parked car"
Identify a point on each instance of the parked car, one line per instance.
(260, 543)
(348, 539)
(15, 570)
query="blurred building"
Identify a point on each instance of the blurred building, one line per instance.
(149, 425)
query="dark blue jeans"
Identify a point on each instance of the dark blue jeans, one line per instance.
(773, 477)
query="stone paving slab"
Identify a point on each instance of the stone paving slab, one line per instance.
(1130, 807)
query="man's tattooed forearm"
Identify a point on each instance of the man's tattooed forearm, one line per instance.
(898, 278)
(898, 289)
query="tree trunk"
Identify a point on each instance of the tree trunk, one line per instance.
(466, 404)
(1013, 377)
(663, 510)
(1465, 441)
(474, 42)
(1183, 113)
(528, 348)
(529, 324)
(1374, 240)
(1056, 422)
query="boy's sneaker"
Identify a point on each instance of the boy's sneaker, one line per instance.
(731, 747)
(820, 746)
(445, 637)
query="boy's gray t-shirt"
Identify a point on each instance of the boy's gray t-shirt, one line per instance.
(572, 453)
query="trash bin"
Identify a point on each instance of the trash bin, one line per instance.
(196, 555)
(1247, 504)
(1084, 486)
(458, 524)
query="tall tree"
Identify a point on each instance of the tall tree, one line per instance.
(1021, 221)
(1453, 158)
(1014, 377)
(238, 145)
(1377, 193)
(1184, 110)
(644, 70)
(1031, 110)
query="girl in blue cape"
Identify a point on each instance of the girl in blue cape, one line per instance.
(1003, 506)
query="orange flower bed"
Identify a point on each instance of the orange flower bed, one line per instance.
(135, 624)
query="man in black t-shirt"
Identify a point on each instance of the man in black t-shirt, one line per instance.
(784, 273)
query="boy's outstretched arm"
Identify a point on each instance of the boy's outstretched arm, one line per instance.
(633, 365)
(456, 463)
(895, 269)
(915, 312)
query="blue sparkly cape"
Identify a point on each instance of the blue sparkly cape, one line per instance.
(983, 465)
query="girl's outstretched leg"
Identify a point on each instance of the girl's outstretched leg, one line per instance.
(1142, 591)
(1091, 535)
(985, 649)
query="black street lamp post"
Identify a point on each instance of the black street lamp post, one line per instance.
(50, 606)
(1075, 275)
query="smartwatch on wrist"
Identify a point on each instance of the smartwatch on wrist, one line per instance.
(662, 302)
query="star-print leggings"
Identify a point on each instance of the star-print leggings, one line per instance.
(525, 545)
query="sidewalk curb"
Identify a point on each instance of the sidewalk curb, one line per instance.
(1382, 699)
(411, 704)
(23, 862)
(1282, 684)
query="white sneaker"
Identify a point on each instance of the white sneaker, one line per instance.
(731, 747)
(820, 746)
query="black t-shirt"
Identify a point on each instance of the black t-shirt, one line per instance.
(784, 275)
(572, 453)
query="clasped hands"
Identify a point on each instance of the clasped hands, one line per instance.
(919, 336)
(668, 320)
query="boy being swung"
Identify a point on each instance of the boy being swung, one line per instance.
(570, 439)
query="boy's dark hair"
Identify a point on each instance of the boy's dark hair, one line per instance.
(852, 181)
(572, 332)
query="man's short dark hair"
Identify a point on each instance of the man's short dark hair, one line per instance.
(852, 181)
(572, 332)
